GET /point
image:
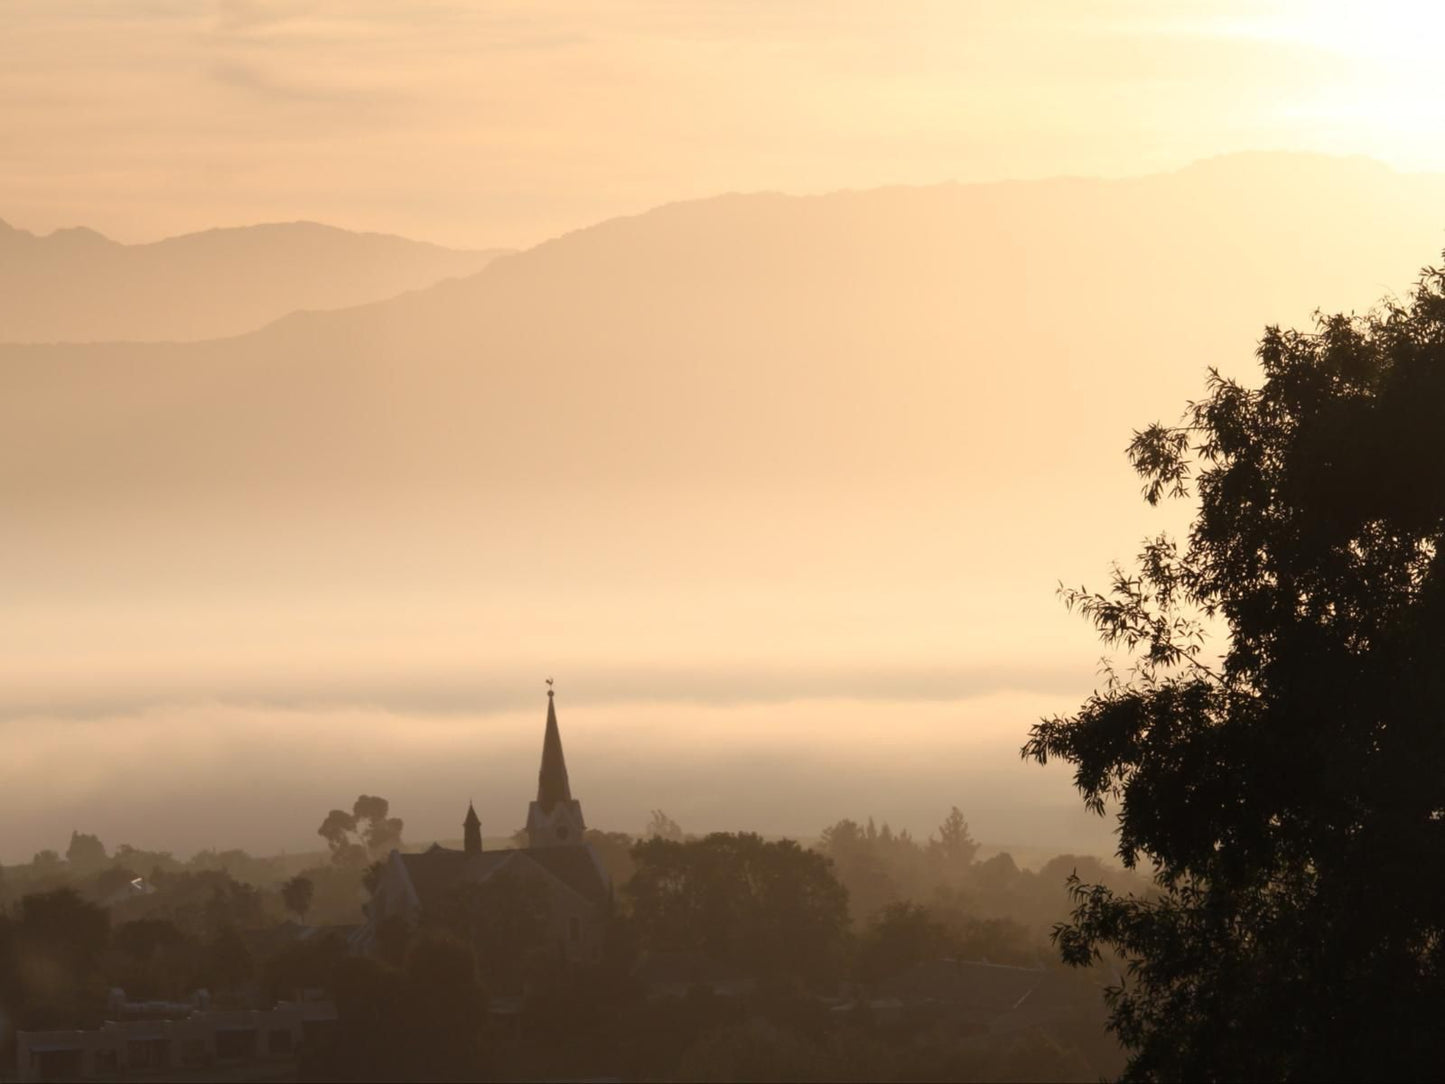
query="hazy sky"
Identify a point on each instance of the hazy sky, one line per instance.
(780, 488)
(505, 122)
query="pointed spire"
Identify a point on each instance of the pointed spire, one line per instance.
(472, 831)
(552, 784)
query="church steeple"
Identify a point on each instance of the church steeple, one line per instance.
(555, 818)
(552, 786)
(472, 831)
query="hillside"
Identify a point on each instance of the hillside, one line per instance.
(847, 341)
(76, 285)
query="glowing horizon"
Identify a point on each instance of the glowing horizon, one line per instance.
(147, 120)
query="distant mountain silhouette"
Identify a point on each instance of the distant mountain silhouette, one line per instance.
(977, 335)
(76, 285)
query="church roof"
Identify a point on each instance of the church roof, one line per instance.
(552, 786)
(472, 817)
(576, 867)
(437, 871)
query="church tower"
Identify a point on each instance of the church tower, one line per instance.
(472, 831)
(555, 818)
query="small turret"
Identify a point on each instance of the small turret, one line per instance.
(472, 831)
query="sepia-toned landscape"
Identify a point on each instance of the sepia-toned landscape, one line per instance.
(716, 541)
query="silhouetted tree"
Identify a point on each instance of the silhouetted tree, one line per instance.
(861, 865)
(1292, 794)
(773, 908)
(302, 964)
(661, 826)
(503, 922)
(955, 847)
(139, 859)
(151, 957)
(229, 961)
(420, 1021)
(339, 830)
(381, 832)
(368, 1043)
(445, 1009)
(366, 833)
(296, 895)
(232, 905)
(896, 938)
(85, 851)
(66, 926)
(53, 960)
(998, 875)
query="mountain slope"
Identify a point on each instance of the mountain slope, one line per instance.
(77, 286)
(836, 338)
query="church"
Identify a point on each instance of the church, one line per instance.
(557, 860)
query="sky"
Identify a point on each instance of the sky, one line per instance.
(504, 123)
(190, 661)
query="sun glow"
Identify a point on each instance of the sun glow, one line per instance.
(1374, 87)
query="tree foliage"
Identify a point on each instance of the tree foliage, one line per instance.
(661, 826)
(771, 908)
(297, 894)
(50, 960)
(85, 851)
(417, 1021)
(503, 922)
(1290, 793)
(364, 834)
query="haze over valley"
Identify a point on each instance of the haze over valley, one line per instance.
(778, 488)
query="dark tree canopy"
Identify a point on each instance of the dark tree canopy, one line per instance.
(297, 894)
(85, 851)
(503, 922)
(364, 834)
(1291, 791)
(774, 909)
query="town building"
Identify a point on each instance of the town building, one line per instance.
(163, 1040)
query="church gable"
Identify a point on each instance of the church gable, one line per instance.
(575, 867)
(436, 872)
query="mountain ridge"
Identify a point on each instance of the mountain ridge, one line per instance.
(75, 284)
(796, 313)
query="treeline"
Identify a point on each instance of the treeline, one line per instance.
(320, 887)
(772, 976)
(802, 932)
(881, 868)
(135, 883)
